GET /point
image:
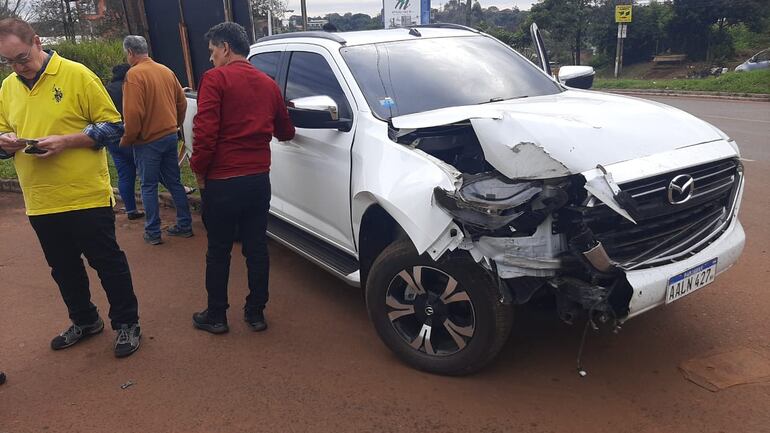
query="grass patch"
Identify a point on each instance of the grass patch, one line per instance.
(7, 171)
(731, 82)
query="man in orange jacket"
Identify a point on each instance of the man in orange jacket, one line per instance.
(154, 107)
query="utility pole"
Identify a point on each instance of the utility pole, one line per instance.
(303, 6)
(468, 13)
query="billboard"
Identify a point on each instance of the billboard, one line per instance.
(401, 13)
(175, 30)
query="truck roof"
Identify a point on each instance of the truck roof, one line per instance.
(370, 36)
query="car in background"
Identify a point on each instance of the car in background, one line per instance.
(761, 60)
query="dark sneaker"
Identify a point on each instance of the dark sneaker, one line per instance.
(255, 319)
(135, 215)
(75, 333)
(2, 378)
(206, 322)
(179, 232)
(152, 240)
(127, 339)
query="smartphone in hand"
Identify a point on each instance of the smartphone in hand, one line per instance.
(31, 146)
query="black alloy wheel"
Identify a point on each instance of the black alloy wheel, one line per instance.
(429, 311)
(444, 317)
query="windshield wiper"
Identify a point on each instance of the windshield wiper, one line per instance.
(499, 99)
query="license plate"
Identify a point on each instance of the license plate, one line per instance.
(691, 280)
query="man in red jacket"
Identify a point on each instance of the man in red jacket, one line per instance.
(240, 109)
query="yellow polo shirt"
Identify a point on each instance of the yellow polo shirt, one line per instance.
(67, 98)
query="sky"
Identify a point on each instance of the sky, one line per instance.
(372, 7)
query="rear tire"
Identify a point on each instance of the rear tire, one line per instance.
(442, 317)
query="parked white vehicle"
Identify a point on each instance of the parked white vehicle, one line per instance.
(452, 179)
(761, 60)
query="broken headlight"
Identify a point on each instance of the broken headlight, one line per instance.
(490, 201)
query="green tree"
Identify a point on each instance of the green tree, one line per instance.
(647, 34)
(352, 22)
(14, 9)
(698, 27)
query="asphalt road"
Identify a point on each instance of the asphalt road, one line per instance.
(748, 123)
(321, 368)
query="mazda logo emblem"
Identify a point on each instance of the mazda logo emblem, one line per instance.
(681, 189)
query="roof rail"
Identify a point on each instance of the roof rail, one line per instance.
(311, 34)
(445, 26)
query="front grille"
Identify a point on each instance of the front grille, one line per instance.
(666, 233)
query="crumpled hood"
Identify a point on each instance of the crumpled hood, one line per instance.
(571, 132)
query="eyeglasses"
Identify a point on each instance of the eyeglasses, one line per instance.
(19, 60)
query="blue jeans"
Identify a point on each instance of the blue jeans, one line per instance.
(157, 162)
(124, 163)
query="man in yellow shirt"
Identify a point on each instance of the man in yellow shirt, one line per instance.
(55, 120)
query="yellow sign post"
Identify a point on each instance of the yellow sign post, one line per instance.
(623, 13)
(622, 17)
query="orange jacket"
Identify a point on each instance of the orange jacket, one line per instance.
(154, 104)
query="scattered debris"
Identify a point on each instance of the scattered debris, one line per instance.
(127, 384)
(738, 367)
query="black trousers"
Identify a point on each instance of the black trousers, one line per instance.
(230, 205)
(91, 233)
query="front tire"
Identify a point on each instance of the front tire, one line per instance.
(442, 317)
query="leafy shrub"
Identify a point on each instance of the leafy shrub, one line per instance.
(99, 56)
(748, 42)
(600, 61)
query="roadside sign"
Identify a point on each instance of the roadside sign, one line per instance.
(402, 13)
(623, 13)
(622, 31)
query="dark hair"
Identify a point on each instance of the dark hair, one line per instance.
(18, 28)
(119, 71)
(329, 27)
(232, 33)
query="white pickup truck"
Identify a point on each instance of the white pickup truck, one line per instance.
(451, 179)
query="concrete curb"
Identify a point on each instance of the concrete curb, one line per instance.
(691, 94)
(10, 185)
(164, 198)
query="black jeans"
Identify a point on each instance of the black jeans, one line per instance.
(230, 205)
(91, 232)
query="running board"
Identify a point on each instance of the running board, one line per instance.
(339, 263)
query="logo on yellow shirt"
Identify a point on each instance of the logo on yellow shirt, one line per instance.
(57, 94)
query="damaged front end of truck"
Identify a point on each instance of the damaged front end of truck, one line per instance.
(542, 224)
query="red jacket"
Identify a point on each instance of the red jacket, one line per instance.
(240, 109)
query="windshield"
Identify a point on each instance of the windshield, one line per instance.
(411, 76)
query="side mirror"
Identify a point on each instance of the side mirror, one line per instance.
(317, 112)
(753, 59)
(579, 77)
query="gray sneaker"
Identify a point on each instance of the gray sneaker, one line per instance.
(127, 339)
(75, 333)
(179, 232)
(152, 240)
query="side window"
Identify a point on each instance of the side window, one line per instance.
(310, 75)
(267, 63)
